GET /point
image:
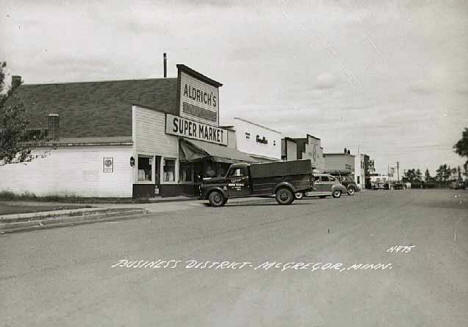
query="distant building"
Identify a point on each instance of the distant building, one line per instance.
(342, 164)
(261, 142)
(308, 147)
(359, 171)
(288, 149)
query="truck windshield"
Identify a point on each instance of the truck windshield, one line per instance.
(237, 172)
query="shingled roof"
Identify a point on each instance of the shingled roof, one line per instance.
(96, 109)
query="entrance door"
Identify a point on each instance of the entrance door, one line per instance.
(238, 182)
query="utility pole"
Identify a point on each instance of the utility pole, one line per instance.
(398, 170)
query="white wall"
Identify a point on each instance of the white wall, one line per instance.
(150, 138)
(314, 152)
(359, 171)
(272, 149)
(71, 171)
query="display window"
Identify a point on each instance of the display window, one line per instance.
(185, 172)
(145, 169)
(169, 170)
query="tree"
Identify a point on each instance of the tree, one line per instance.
(13, 124)
(443, 173)
(461, 147)
(427, 176)
(418, 175)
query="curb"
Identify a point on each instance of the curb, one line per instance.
(22, 224)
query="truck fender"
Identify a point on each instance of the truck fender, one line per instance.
(284, 184)
(217, 188)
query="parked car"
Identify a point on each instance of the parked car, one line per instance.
(457, 185)
(324, 185)
(282, 179)
(351, 186)
(398, 186)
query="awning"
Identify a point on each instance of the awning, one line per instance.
(193, 150)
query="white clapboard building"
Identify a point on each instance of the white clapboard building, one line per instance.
(130, 138)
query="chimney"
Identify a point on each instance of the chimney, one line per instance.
(349, 151)
(165, 64)
(54, 126)
(345, 151)
(15, 81)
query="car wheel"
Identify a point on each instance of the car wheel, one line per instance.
(351, 191)
(216, 199)
(284, 196)
(336, 193)
(299, 195)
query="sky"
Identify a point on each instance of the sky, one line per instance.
(386, 78)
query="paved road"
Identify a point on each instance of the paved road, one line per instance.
(65, 276)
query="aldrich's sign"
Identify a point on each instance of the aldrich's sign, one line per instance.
(198, 96)
(191, 129)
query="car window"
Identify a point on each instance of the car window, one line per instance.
(317, 178)
(324, 178)
(237, 172)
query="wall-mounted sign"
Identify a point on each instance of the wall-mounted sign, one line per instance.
(198, 96)
(180, 126)
(262, 140)
(107, 164)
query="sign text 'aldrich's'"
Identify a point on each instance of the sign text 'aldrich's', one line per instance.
(191, 129)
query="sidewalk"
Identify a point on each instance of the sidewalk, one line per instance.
(60, 218)
(92, 213)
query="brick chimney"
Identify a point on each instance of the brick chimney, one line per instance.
(53, 121)
(15, 81)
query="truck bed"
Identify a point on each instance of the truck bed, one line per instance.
(283, 168)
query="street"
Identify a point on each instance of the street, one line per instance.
(379, 258)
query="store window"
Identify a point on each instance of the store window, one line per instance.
(145, 169)
(169, 170)
(185, 172)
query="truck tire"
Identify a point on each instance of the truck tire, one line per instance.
(336, 193)
(351, 190)
(299, 195)
(216, 199)
(284, 196)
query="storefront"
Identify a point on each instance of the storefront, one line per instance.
(176, 150)
(131, 138)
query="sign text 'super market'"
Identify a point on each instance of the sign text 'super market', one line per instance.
(191, 129)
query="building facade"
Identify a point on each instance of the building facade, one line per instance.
(135, 138)
(359, 171)
(262, 143)
(340, 164)
(308, 147)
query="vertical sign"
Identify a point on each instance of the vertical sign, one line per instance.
(108, 164)
(198, 96)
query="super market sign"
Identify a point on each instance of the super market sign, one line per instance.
(179, 126)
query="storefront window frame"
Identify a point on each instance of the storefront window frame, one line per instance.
(176, 170)
(192, 173)
(152, 159)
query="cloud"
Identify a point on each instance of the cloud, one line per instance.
(325, 81)
(462, 89)
(422, 87)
